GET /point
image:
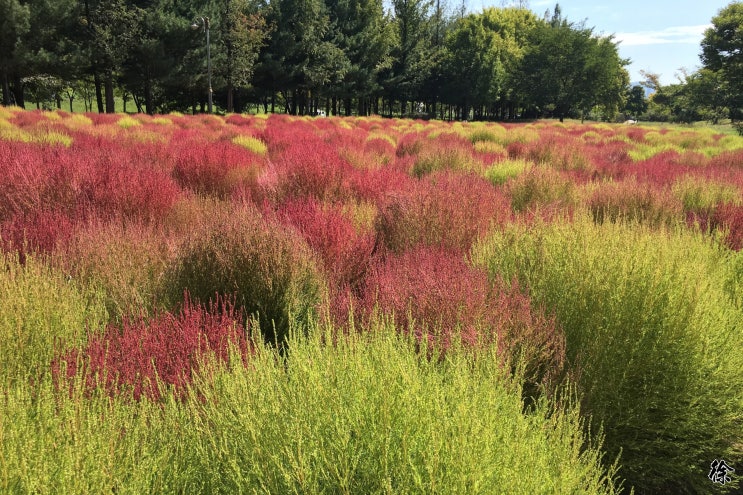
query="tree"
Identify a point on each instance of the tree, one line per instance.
(242, 33)
(706, 92)
(112, 29)
(474, 70)
(567, 69)
(300, 57)
(636, 103)
(361, 31)
(411, 52)
(722, 53)
(153, 61)
(14, 25)
(514, 26)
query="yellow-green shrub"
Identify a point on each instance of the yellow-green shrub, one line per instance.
(652, 339)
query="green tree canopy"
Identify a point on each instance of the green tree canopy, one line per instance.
(567, 69)
(722, 53)
(14, 25)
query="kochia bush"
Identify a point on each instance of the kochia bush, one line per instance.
(652, 339)
(269, 270)
(435, 295)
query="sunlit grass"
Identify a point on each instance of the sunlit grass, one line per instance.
(250, 143)
(127, 122)
(500, 172)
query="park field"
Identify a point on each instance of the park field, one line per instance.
(278, 304)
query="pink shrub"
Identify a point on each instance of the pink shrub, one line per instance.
(34, 178)
(39, 231)
(133, 357)
(662, 169)
(609, 159)
(728, 160)
(516, 149)
(410, 144)
(435, 295)
(212, 168)
(131, 192)
(730, 218)
(636, 134)
(28, 119)
(446, 210)
(345, 253)
(71, 180)
(312, 169)
(559, 152)
(377, 184)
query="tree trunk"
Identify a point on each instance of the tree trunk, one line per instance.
(98, 92)
(148, 97)
(230, 98)
(6, 90)
(138, 103)
(20, 100)
(109, 89)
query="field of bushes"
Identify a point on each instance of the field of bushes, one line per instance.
(276, 304)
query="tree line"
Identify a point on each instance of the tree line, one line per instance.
(344, 57)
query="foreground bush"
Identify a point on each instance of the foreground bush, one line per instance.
(436, 296)
(41, 313)
(124, 259)
(367, 415)
(652, 336)
(140, 356)
(267, 268)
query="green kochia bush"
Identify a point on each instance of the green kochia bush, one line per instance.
(653, 340)
(367, 415)
(268, 268)
(41, 312)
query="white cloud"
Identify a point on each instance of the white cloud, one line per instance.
(678, 34)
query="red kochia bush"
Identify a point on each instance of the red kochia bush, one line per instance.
(444, 209)
(312, 168)
(730, 218)
(131, 358)
(434, 294)
(344, 251)
(213, 168)
(39, 231)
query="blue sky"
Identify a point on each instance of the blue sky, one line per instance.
(659, 36)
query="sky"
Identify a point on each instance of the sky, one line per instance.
(659, 36)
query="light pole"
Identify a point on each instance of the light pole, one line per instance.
(195, 25)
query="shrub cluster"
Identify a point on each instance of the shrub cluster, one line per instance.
(650, 333)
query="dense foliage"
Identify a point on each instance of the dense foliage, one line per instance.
(210, 304)
(341, 56)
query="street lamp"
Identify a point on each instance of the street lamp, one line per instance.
(196, 25)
